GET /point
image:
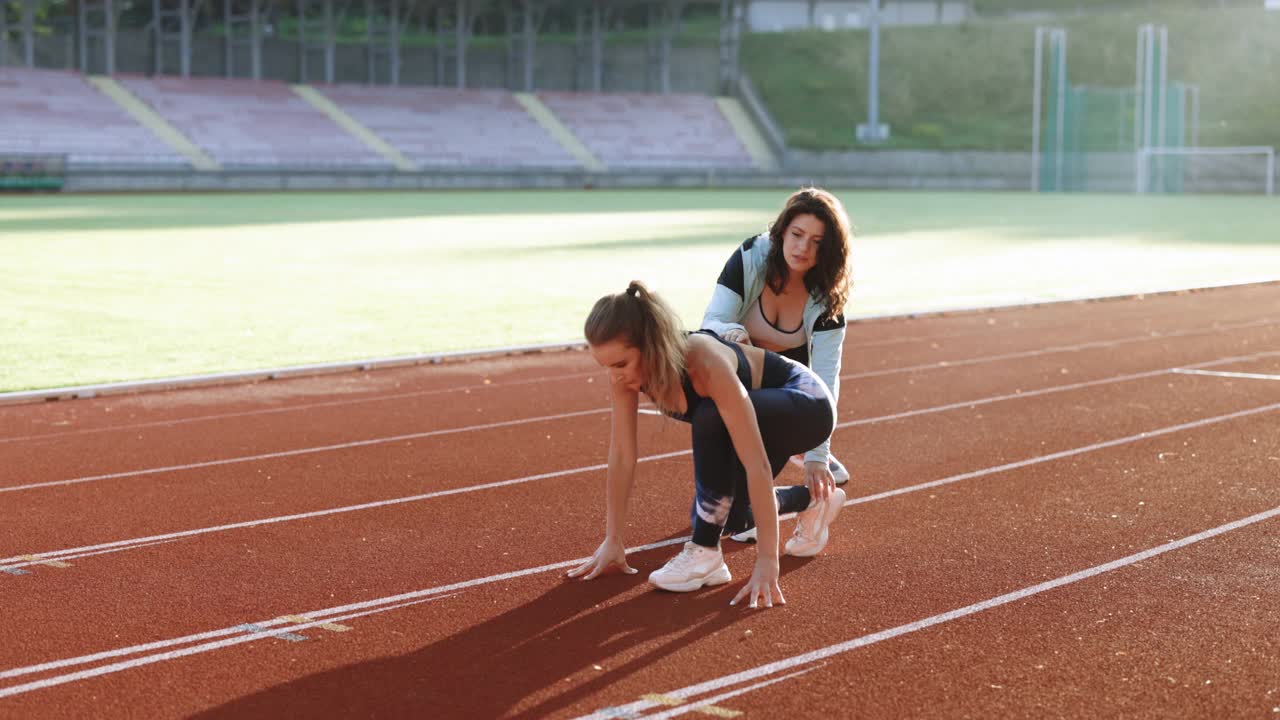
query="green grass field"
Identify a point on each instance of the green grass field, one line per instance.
(109, 288)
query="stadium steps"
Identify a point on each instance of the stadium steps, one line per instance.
(143, 113)
(645, 131)
(557, 130)
(354, 128)
(748, 134)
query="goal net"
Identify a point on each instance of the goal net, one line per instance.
(1206, 170)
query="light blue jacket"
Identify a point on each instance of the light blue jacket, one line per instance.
(740, 285)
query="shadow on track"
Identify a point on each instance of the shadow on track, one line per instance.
(512, 665)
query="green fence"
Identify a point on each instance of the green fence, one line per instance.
(32, 173)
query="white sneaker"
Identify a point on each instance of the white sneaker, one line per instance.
(810, 536)
(694, 567)
(838, 470)
(746, 536)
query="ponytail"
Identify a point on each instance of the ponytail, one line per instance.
(641, 319)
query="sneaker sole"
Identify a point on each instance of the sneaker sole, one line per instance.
(833, 511)
(719, 576)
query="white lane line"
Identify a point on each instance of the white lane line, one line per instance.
(41, 560)
(1249, 376)
(239, 637)
(1056, 349)
(704, 702)
(664, 543)
(1065, 453)
(292, 408)
(340, 510)
(1050, 390)
(561, 473)
(304, 451)
(325, 615)
(646, 409)
(874, 373)
(860, 642)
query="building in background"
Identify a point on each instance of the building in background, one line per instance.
(782, 15)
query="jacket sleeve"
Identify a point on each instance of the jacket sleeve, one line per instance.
(828, 342)
(725, 309)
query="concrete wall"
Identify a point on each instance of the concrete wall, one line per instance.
(879, 169)
(780, 15)
(883, 169)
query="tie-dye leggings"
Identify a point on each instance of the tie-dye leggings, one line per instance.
(793, 419)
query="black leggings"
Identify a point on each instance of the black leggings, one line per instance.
(793, 419)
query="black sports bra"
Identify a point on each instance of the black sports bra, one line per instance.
(776, 372)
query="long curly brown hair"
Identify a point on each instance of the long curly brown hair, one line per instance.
(828, 279)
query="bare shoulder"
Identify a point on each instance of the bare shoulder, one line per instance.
(707, 357)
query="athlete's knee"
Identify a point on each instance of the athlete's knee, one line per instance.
(708, 425)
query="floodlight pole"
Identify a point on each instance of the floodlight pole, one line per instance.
(872, 132)
(873, 82)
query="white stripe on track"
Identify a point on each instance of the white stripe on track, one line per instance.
(589, 468)
(568, 563)
(704, 702)
(554, 378)
(1054, 350)
(1050, 390)
(345, 509)
(860, 642)
(240, 636)
(76, 556)
(325, 615)
(522, 421)
(1065, 453)
(1249, 376)
(304, 451)
(291, 408)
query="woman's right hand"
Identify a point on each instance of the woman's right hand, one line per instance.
(608, 556)
(737, 335)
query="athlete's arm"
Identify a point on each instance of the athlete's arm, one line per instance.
(618, 483)
(713, 367)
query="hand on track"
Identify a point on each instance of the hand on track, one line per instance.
(763, 585)
(609, 556)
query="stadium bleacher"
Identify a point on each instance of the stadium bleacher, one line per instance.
(55, 112)
(440, 127)
(636, 131)
(246, 123)
(266, 125)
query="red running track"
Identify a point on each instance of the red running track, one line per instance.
(1063, 510)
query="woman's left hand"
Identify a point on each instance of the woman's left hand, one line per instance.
(763, 585)
(818, 478)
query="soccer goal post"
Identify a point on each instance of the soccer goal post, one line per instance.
(1207, 169)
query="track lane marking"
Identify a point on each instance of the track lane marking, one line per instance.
(463, 585)
(486, 385)
(345, 509)
(292, 408)
(684, 708)
(1056, 349)
(646, 409)
(1248, 376)
(239, 637)
(689, 692)
(305, 451)
(127, 544)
